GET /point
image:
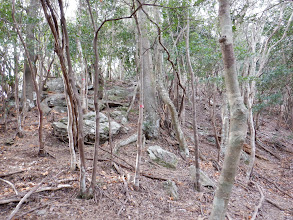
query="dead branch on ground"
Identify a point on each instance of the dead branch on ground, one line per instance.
(11, 184)
(34, 189)
(9, 174)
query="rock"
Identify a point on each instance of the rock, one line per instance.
(60, 128)
(45, 108)
(41, 212)
(56, 102)
(55, 85)
(204, 180)
(171, 189)
(125, 142)
(163, 157)
(119, 116)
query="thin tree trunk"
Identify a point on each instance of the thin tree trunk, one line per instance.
(174, 116)
(238, 127)
(251, 129)
(33, 71)
(225, 124)
(96, 103)
(18, 116)
(70, 131)
(214, 122)
(140, 70)
(194, 118)
(66, 68)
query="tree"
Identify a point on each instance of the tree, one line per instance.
(151, 120)
(62, 50)
(33, 76)
(238, 124)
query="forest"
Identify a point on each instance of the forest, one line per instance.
(146, 109)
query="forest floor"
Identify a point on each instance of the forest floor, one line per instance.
(116, 198)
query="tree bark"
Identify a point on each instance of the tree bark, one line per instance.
(18, 116)
(151, 120)
(238, 127)
(194, 118)
(29, 85)
(34, 74)
(66, 67)
(140, 70)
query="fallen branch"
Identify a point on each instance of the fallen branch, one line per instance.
(113, 154)
(11, 184)
(260, 144)
(274, 204)
(32, 210)
(262, 197)
(9, 174)
(18, 198)
(281, 190)
(125, 142)
(34, 189)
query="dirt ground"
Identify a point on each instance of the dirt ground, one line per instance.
(115, 197)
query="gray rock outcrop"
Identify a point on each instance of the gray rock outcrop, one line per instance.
(162, 157)
(89, 129)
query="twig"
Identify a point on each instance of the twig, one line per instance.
(228, 216)
(9, 174)
(274, 204)
(11, 184)
(33, 209)
(260, 202)
(34, 189)
(266, 149)
(281, 190)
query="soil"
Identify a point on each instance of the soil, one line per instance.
(115, 197)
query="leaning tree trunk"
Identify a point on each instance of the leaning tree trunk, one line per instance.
(238, 125)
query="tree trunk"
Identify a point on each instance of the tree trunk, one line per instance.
(34, 74)
(97, 75)
(140, 70)
(225, 124)
(151, 120)
(70, 130)
(238, 127)
(194, 118)
(30, 42)
(66, 67)
(18, 116)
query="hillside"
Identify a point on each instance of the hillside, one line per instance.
(116, 198)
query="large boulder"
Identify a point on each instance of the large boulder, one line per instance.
(55, 85)
(56, 102)
(89, 129)
(162, 157)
